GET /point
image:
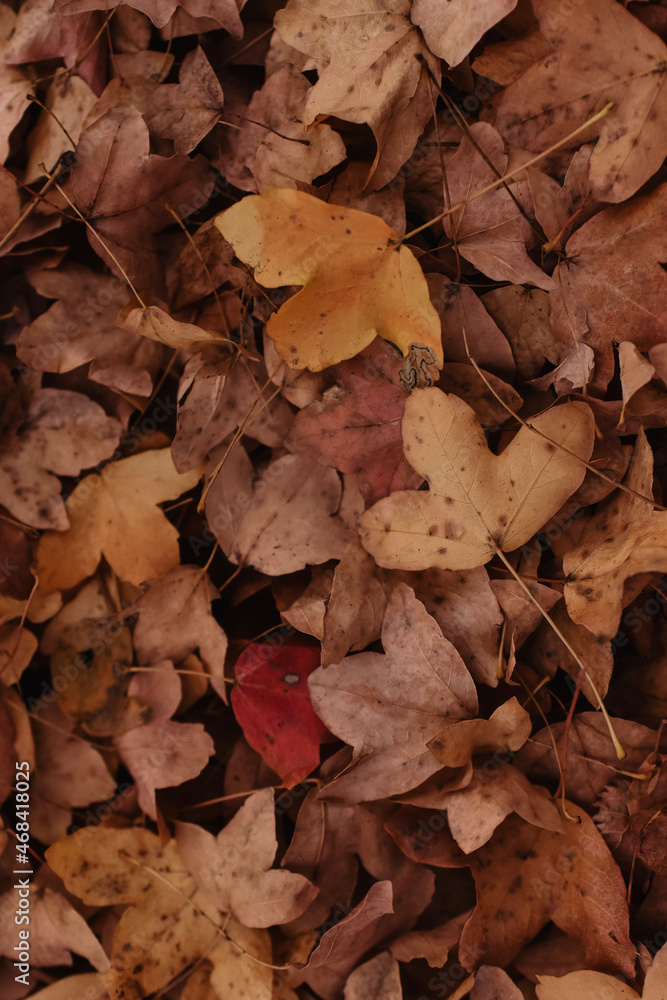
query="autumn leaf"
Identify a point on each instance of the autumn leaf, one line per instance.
(530, 876)
(452, 29)
(490, 231)
(157, 936)
(272, 705)
(611, 286)
(358, 284)
(234, 869)
(624, 538)
(356, 427)
(63, 432)
(122, 189)
(601, 53)
(388, 706)
(115, 515)
(162, 752)
(477, 502)
(369, 61)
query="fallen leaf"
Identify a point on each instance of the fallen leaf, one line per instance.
(369, 71)
(115, 515)
(186, 111)
(529, 876)
(157, 936)
(162, 753)
(474, 812)
(451, 30)
(477, 502)
(287, 521)
(122, 189)
(508, 728)
(272, 705)
(225, 13)
(296, 156)
(389, 706)
(356, 427)
(234, 869)
(599, 54)
(378, 979)
(624, 538)
(356, 606)
(357, 283)
(490, 231)
(69, 775)
(611, 287)
(63, 433)
(491, 983)
(175, 619)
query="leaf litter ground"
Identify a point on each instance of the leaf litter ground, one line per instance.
(332, 467)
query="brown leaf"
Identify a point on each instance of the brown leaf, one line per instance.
(234, 868)
(536, 111)
(121, 189)
(186, 111)
(64, 432)
(525, 877)
(370, 71)
(389, 706)
(451, 30)
(596, 297)
(356, 426)
(490, 232)
(624, 538)
(286, 522)
(377, 979)
(175, 619)
(474, 812)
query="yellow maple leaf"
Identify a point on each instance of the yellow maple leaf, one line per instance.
(358, 283)
(115, 515)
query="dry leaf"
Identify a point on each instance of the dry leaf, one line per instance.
(357, 283)
(115, 515)
(63, 433)
(477, 502)
(601, 54)
(624, 538)
(388, 706)
(234, 868)
(162, 753)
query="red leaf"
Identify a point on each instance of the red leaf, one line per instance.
(272, 705)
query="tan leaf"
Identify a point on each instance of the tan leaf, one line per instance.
(526, 876)
(234, 868)
(175, 619)
(115, 515)
(64, 432)
(378, 979)
(508, 728)
(162, 753)
(168, 923)
(602, 53)
(286, 522)
(625, 537)
(477, 502)
(474, 812)
(583, 985)
(451, 29)
(611, 256)
(388, 706)
(370, 71)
